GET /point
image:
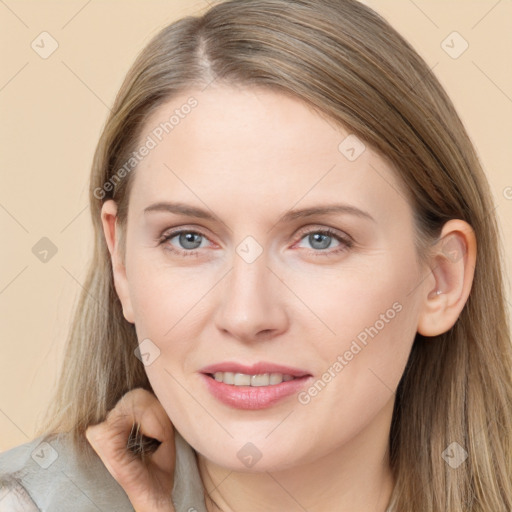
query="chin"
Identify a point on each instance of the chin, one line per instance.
(240, 454)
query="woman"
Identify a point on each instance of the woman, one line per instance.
(297, 267)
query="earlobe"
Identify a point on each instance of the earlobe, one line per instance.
(111, 230)
(452, 265)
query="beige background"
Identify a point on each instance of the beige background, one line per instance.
(53, 109)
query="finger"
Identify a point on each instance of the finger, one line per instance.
(107, 445)
(110, 439)
(154, 422)
(145, 409)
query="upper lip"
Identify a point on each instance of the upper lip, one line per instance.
(254, 369)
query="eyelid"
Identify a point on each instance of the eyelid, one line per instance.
(172, 232)
(346, 241)
(319, 228)
(169, 232)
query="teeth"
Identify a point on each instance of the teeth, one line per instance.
(242, 379)
(275, 378)
(229, 378)
(260, 380)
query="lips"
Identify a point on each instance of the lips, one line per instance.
(255, 369)
(253, 387)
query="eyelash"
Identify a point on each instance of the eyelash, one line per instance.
(347, 242)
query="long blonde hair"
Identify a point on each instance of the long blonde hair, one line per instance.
(350, 65)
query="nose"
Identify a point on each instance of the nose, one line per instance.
(251, 302)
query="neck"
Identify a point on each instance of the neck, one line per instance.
(352, 477)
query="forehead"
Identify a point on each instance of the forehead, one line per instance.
(244, 147)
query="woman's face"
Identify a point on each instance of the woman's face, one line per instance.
(291, 253)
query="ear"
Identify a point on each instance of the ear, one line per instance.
(112, 233)
(452, 265)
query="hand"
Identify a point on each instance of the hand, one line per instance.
(147, 480)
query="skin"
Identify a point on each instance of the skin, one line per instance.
(248, 156)
(147, 483)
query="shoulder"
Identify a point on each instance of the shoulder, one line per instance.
(49, 474)
(14, 497)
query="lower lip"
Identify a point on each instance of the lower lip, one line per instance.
(253, 397)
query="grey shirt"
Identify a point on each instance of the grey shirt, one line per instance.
(47, 475)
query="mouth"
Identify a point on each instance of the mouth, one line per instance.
(244, 379)
(253, 387)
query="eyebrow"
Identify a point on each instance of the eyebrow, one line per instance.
(192, 211)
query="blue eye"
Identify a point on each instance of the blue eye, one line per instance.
(320, 241)
(188, 240)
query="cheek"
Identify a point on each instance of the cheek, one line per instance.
(362, 364)
(374, 315)
(371, 316)
(358, 302)
(163, 296)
